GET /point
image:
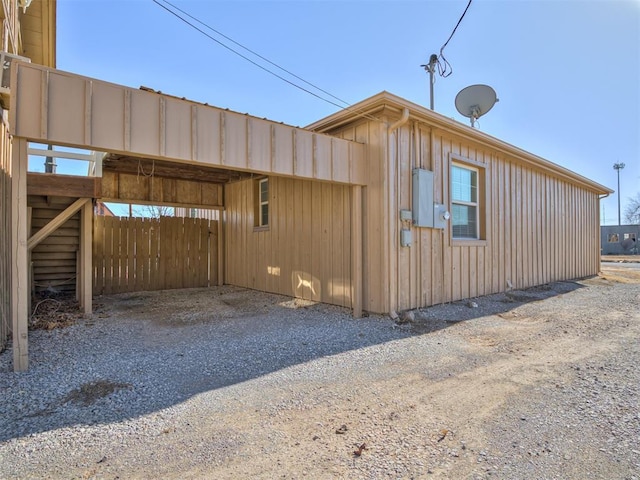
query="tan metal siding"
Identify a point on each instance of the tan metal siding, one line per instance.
(65, 109)
(306, 250)
(538, 227)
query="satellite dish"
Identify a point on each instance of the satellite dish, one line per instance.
(475, 100)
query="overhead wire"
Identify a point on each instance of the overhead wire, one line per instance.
(306, 90)
(444, 67)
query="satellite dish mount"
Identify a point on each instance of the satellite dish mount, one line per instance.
(475, 100)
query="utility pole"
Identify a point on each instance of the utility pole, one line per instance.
(618, 167)
(431, 69)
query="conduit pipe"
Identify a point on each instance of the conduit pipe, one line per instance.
(391, 220)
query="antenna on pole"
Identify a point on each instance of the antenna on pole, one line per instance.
(431, 69)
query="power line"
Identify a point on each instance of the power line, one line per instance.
(252, 52)
(186, 21)
(444, 67)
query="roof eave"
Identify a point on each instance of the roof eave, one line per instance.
(388, 101)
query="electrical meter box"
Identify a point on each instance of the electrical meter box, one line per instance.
(422, 198)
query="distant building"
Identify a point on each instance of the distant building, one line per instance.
(102, 209)
(619, 239)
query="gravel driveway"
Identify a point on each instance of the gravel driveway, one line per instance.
(231, 383)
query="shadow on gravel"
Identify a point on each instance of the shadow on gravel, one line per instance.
(502, 304)
(144, 352)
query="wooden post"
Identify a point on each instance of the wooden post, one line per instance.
(356, 250)
(221, 254)
(32, 286)
(19, 256)
(84, 266)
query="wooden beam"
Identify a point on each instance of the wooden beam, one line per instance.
(19, 256)
(181, 170)
(51, 184)
(84, 267)
(221, 252)
(53, 225)
(356, 251)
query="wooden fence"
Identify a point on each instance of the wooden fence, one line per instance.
(141, 254)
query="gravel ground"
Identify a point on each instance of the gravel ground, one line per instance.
(230, 383)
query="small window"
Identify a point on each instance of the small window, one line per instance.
(613, 238)
(631, 236)
(262, 203)
(465, 208)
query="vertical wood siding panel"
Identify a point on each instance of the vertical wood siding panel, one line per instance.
(347, 274)
(517, 225)
(553, 215)
(484, 253)
(447, 269)
(571, 219)
(298, 239)
(426, 266)
(508, 227)
(405, 262)
(523, 230)
(234, 236)
(495, 249)
(282, 141)
(562, 231)
(304, 277)
(539, 192)
(472, 276)
(260, 147)
(437, 247)
(556, 232)
(531, 232)
(317, 239)
(513, 225)
(292, 222)
(341, 263)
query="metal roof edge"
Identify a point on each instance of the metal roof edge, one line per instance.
(386, 99)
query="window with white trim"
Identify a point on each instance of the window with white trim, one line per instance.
(262, 204)
(465, 207)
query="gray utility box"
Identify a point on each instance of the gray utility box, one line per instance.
(422, 198)
(426, 213)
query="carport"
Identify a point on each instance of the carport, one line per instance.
(203, 156)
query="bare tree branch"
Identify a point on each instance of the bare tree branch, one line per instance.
(632, 210)
(153, 211)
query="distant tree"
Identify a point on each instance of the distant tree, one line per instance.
(152, 211)
(632, 210)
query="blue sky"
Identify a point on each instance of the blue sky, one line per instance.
(567, 72)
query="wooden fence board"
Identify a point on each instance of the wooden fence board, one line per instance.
(141, 254)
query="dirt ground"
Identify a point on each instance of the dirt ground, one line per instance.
(517, 401)
(539, 383)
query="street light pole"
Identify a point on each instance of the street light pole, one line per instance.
(618, 167)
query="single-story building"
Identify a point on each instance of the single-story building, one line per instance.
(619, 239)
(382, 207)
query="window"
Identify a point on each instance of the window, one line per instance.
(631, 236)
(613, 238)
(262, 203)
(465, 207)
